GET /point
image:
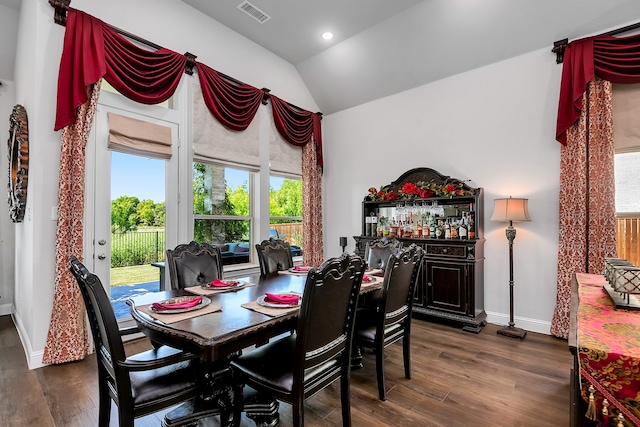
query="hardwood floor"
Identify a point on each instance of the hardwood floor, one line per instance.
(458, 379)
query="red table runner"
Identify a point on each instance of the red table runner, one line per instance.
(608, 348)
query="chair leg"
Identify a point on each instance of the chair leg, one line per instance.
(298, 412)
(104, 406)
(380, 371)
(406, 353)
(345, 398)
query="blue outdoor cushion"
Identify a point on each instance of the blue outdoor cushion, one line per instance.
(232, 246)
(242, 247)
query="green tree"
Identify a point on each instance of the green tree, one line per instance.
(235, 202)
(146, 211)
(287, 201)
(160, 212)
(238, 201)
(124, 216)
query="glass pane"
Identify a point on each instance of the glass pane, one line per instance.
(627, 172)
(285, 208)
(137, 227)
(233, 235)
(219, 190)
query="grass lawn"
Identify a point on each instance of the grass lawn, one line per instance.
(134, 274)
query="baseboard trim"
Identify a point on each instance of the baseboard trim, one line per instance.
(5, 309)
(533, 325)
(34, 358)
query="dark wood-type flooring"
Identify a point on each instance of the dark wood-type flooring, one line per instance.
(459, 379)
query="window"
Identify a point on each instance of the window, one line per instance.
(222, 210)
(285, 211)
(627, 172)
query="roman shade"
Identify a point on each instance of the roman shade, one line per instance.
(284, 158)
(139, 137)
(626, 110)
(214, 143)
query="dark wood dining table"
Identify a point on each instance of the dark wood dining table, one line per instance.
(220, 335)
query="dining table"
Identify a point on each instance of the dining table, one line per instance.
(231, 321)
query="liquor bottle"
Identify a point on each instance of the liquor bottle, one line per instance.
(380, 227)
(454, 229)
(462, 231)
(367, 228)
(471, 226)
(439, 230)
(374, 224)
(426, 230)
(447, 230)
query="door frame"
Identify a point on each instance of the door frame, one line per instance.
(98, 171)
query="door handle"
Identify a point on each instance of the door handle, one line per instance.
(428, 283)
(102, 242)
(101, 256)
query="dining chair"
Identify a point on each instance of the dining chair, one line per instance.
(274, 255)
(377, 252)
(298, 366)
(194, 264)
(140, 384)
(389, 320)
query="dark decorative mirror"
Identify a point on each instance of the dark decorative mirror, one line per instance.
(18, 162)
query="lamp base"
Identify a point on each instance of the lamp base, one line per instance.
(512, 332)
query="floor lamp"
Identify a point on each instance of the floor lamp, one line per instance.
(510, 210)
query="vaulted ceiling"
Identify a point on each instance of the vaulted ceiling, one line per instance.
(382, 47)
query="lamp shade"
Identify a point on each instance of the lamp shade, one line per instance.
(511, 209)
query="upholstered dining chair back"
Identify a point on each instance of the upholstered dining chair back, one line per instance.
(274, 255)
(377, 252)
(390, 319)
(137, 384)
(193, 264)
(298, 366)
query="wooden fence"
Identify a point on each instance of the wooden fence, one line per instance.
(292, 232)
(628, 236)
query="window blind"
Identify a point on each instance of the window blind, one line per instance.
(213, 143)
(626, 110)
(283, 157)
(139, 137)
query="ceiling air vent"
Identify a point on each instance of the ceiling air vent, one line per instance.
(254, 12)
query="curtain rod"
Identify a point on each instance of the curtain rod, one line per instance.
(62, 6)
(560, 45)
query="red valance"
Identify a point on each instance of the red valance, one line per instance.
(616, 59)
(233, 104)
(297, 126)
(92, 50)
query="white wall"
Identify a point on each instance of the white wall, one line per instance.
(493, 125)
(169, 23)
(7, 101)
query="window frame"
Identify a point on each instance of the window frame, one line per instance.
(253, 224)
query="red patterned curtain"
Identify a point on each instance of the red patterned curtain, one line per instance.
(67, 339)
(587, 198)
(313, 253)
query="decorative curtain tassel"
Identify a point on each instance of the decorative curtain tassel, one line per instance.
(591, 409)
(620, 420)
(605, 414)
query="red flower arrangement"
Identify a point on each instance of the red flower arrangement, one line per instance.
(418, 190)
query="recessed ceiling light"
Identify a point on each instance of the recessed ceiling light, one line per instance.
(327, 35)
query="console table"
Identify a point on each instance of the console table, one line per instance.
(605, 343)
